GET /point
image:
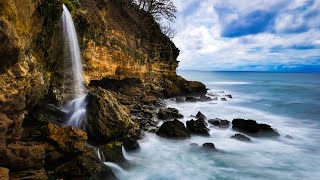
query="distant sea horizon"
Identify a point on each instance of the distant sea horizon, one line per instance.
(318, 71)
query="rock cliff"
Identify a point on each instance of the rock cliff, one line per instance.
(123, 51)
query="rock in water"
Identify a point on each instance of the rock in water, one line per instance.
(169, 113)
(131, 144)
(241, 137)
(197, 127)
(219, 123)
(209, 146)
(69, 139)
(173, 129)
(180, 100)
(200, 115)
(228, 96)
(191, 99)
(205, 98)
(107, 119)
(253, 128)
(112, 152)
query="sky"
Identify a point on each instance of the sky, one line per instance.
(248, 35)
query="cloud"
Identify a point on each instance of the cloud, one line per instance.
(245, 34)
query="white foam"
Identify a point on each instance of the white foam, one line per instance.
(281, 158)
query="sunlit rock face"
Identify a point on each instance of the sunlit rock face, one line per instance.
(118, 43)
(24, 78)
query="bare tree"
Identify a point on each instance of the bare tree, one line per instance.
(168, 31)
(158, 8)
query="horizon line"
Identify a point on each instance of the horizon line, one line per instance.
(249, 71)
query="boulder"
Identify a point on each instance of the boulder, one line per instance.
(228, 96)
(215, 99)
(219, 122)
(190, 87)
(107, 119)
(180, 100)
(169, 113)
(241, 137)
(173, 129)
(191, 99)
(112, 152)
(197, 127)
(39, 174)
(253, 128)
(201, 116)
(22, 156)
(204, 98)
(4, 173)
(83, 166)
(68, 139)
(131, 144)
(209, 147)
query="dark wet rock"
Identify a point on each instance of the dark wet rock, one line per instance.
(228, 96)
(192, 88)
(85, 166)
(201, 116)
(241, 137)
(223, 99)
(68, 139)
(219, 123)
(169, 113)
(22, 156)
(191, 99)
(180, 100)
(131, 144)
(204, 98)
(112, 152)
(289, 137)
(215, 99)
(39, 174)
(212, 94)
(209, 147)
(253, 128)
(197, 127)
(107, 119)
(173, 129)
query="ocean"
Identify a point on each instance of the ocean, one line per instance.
(289, 102)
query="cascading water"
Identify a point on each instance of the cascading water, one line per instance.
(76, 107)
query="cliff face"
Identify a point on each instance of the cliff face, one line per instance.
(120, 41)
(23, 75)
(123, 50)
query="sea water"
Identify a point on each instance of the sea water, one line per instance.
(289, 102)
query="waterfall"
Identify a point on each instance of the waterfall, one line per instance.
(116, 168)
(72, 55)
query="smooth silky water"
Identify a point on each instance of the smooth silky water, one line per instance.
(289, 102)
(76, 107)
